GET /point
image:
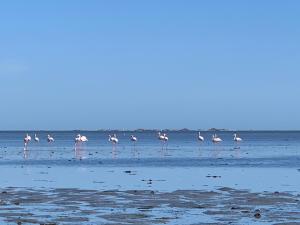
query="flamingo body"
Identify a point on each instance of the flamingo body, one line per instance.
(50, 139)
(163, 137)
(216, 139)
(236, 138)
(27, 139)
(133, 138)
(36, 138)
(80, 138)
(113, 139)
(200, 138)
(83, 139)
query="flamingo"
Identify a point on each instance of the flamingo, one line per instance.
(133, 138)
(80, 138)
(163, 137)
(200, 138)
(50, 139)
(236, 138)
(216, 139)
(83, 139)
(113, 139)
(77, 138)
(36, 138)
(27, 139)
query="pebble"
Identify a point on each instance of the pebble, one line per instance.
(257, 215)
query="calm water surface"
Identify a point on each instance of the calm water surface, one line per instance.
(263, 161)
(257, 149)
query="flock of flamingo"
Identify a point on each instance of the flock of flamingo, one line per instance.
(114, 140)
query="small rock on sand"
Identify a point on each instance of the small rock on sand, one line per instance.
(257, 215)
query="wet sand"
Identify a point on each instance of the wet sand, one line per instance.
(79, 206)
(141, 195)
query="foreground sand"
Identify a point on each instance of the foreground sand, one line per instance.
(78, 206)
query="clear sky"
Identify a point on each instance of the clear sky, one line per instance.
(150, 64)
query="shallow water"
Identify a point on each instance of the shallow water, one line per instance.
(265, 162)
(155, 178)
(183, 149)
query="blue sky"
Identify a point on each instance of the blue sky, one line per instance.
(149, 64)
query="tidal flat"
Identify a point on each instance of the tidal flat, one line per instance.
(141, 195)
(82, 206)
